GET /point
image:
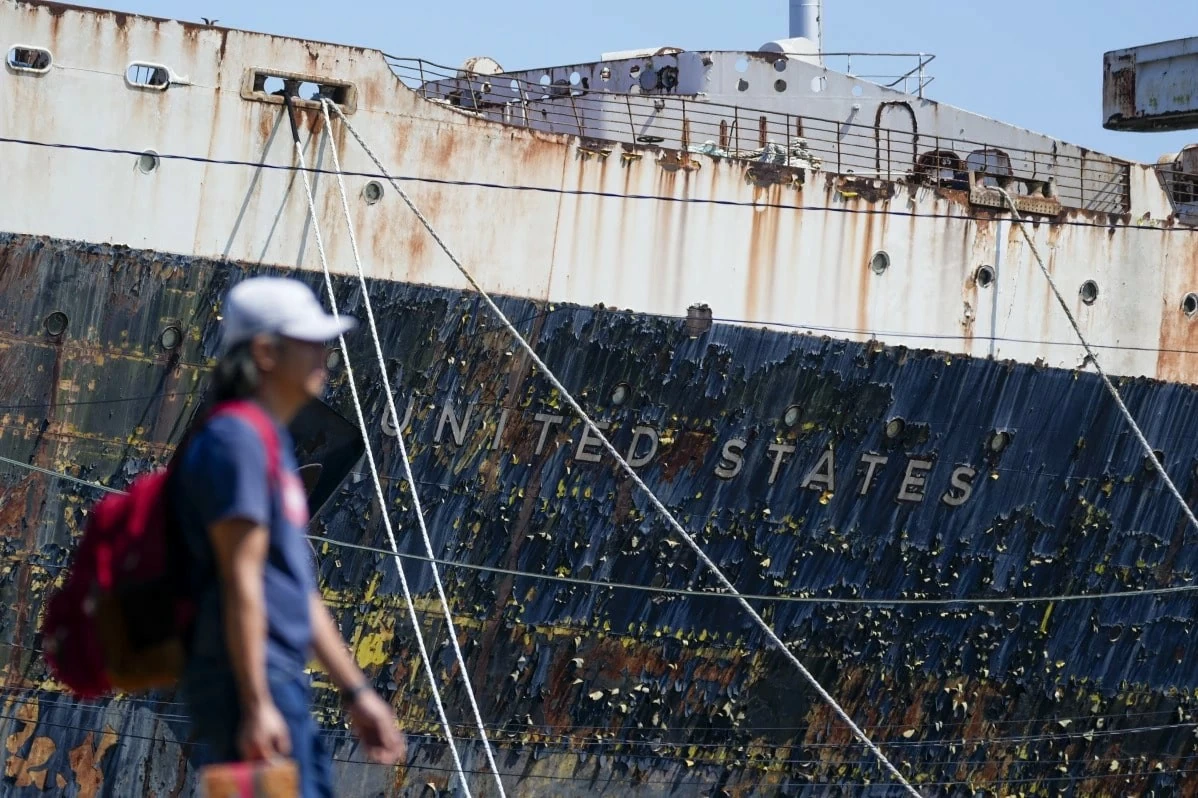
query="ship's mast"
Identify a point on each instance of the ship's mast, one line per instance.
(806, 21)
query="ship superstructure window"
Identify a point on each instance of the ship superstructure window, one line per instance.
(29, 59)
(148, 76)
(943, 167)
(990, 163)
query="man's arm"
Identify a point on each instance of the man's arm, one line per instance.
(373, 719)
(240, 547)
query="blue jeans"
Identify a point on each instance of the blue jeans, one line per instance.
(215, 714)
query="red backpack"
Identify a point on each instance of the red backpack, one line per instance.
(122, 618)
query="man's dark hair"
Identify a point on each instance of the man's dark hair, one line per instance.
(236, 375)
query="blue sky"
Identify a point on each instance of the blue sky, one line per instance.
(1034, 63)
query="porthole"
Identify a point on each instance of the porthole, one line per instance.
(372, 192)
(985, 276)
(742, 64)
(999, 441)
(858, 91)
(29, 59)
(620, 394)
(147, 76)
(742, 85)
(1149, 466)
(818, 84)
(880, 262)
(171, 338)
(147, 162)
(895, 427)
(1088, 292)
(792, 416)
(780, 65)
(332, 360)
(55, 323)
(1189, 305)
(779, 85)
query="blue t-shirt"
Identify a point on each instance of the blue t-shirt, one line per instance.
(223, 475)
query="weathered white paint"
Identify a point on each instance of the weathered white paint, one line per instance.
(786, 254)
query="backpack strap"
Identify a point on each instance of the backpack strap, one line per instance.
(253, 414)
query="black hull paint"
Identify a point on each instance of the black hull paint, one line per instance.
(623, 691)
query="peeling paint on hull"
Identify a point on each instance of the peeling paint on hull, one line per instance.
(599, 689)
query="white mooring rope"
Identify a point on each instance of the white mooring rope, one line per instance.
(407, 467)
(374, 474)
(599, 436)
(1110, 386)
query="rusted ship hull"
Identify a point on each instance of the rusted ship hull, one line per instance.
(809, 468)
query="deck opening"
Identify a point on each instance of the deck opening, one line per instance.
(29, 59)
(264, 85)
(141, 75)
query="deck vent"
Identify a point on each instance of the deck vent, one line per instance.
(1089, 292)
(141, 75)
(1189, 305)
(55, 323)
(22, 58)
(985, 276)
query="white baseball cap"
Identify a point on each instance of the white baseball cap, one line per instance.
(278, 305)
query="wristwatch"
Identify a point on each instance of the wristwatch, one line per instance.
(350, 694)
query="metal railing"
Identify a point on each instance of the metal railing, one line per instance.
(690, 125)
(1182, 190)
(905, 72)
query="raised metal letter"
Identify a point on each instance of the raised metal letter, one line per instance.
(914, 480)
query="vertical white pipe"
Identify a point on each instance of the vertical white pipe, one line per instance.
(805, 21)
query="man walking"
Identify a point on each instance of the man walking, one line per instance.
(244, 515)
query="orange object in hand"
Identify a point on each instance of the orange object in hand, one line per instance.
(277, 778)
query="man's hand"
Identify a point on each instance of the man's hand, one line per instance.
(375, 725)
(263, 734)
